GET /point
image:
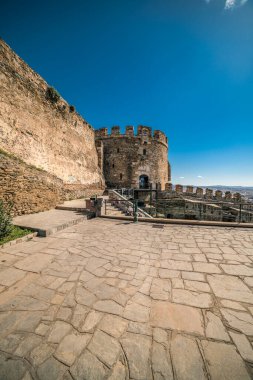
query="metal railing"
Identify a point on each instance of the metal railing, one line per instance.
(139, 203)
(115, 195)
(200, 210)
(120, 207)
(125, 192)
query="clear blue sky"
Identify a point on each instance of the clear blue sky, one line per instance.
(182, 66)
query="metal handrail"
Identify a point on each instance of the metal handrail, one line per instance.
(144, 213)
(131, 207)
(187, 208)
(240, 211)
(200, 212)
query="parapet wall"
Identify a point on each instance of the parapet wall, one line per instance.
(142, 132)
(204, 193)
(49, 135)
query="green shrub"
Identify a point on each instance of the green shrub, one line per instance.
(52, 95)
(16, 233)
(5, 220)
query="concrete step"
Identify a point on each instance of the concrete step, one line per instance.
(112, 209)
(78, 205)
(74, 205)
(115, 214)
(48, 222)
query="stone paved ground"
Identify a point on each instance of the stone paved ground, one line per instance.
(113, 300)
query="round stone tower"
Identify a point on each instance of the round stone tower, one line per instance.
(134, 161)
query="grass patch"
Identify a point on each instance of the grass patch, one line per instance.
(15, 233)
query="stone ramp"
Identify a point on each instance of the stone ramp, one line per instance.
(78, 205)
(48, 222)
(74, 205)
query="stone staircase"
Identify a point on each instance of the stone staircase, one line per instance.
(112, 210)
(122, 204)
(119, 205)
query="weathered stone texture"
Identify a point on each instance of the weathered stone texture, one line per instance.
(27, 188)
(41, 133)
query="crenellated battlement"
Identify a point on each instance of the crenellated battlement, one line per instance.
(129, 130)
(204, 193)
(159, 135)
(142, 131)
(115, 131)
(102, 132)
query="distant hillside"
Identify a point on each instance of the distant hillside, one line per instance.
(231, 188)
(246, 191)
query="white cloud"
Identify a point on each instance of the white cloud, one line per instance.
(181, 177)
(200, 176)
(230, 4)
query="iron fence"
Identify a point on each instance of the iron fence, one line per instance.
(182, 209)
(200, 210)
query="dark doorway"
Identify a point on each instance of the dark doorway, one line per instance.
(143, 182)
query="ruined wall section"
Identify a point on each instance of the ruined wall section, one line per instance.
(50, 136)
(29, 189)
(129, 156)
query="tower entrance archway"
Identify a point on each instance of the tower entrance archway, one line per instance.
(143, 181)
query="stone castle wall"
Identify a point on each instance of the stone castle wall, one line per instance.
(50, 136)
(30, 189)
(199, 192)
(127, 156)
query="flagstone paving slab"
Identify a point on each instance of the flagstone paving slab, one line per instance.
(243, 345)
(137, 350)
(161, 363)
(59, 330)
(35, 262)
(237, 270)
(239, 320)
(224, 362)
(215, 328)
(9, 276)
(177, 317)
(109, 300)
(105, 347)
(187, 297)
(71, 347)
(230, 287)
(88, 367)
(192, 366)
(11, 369)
